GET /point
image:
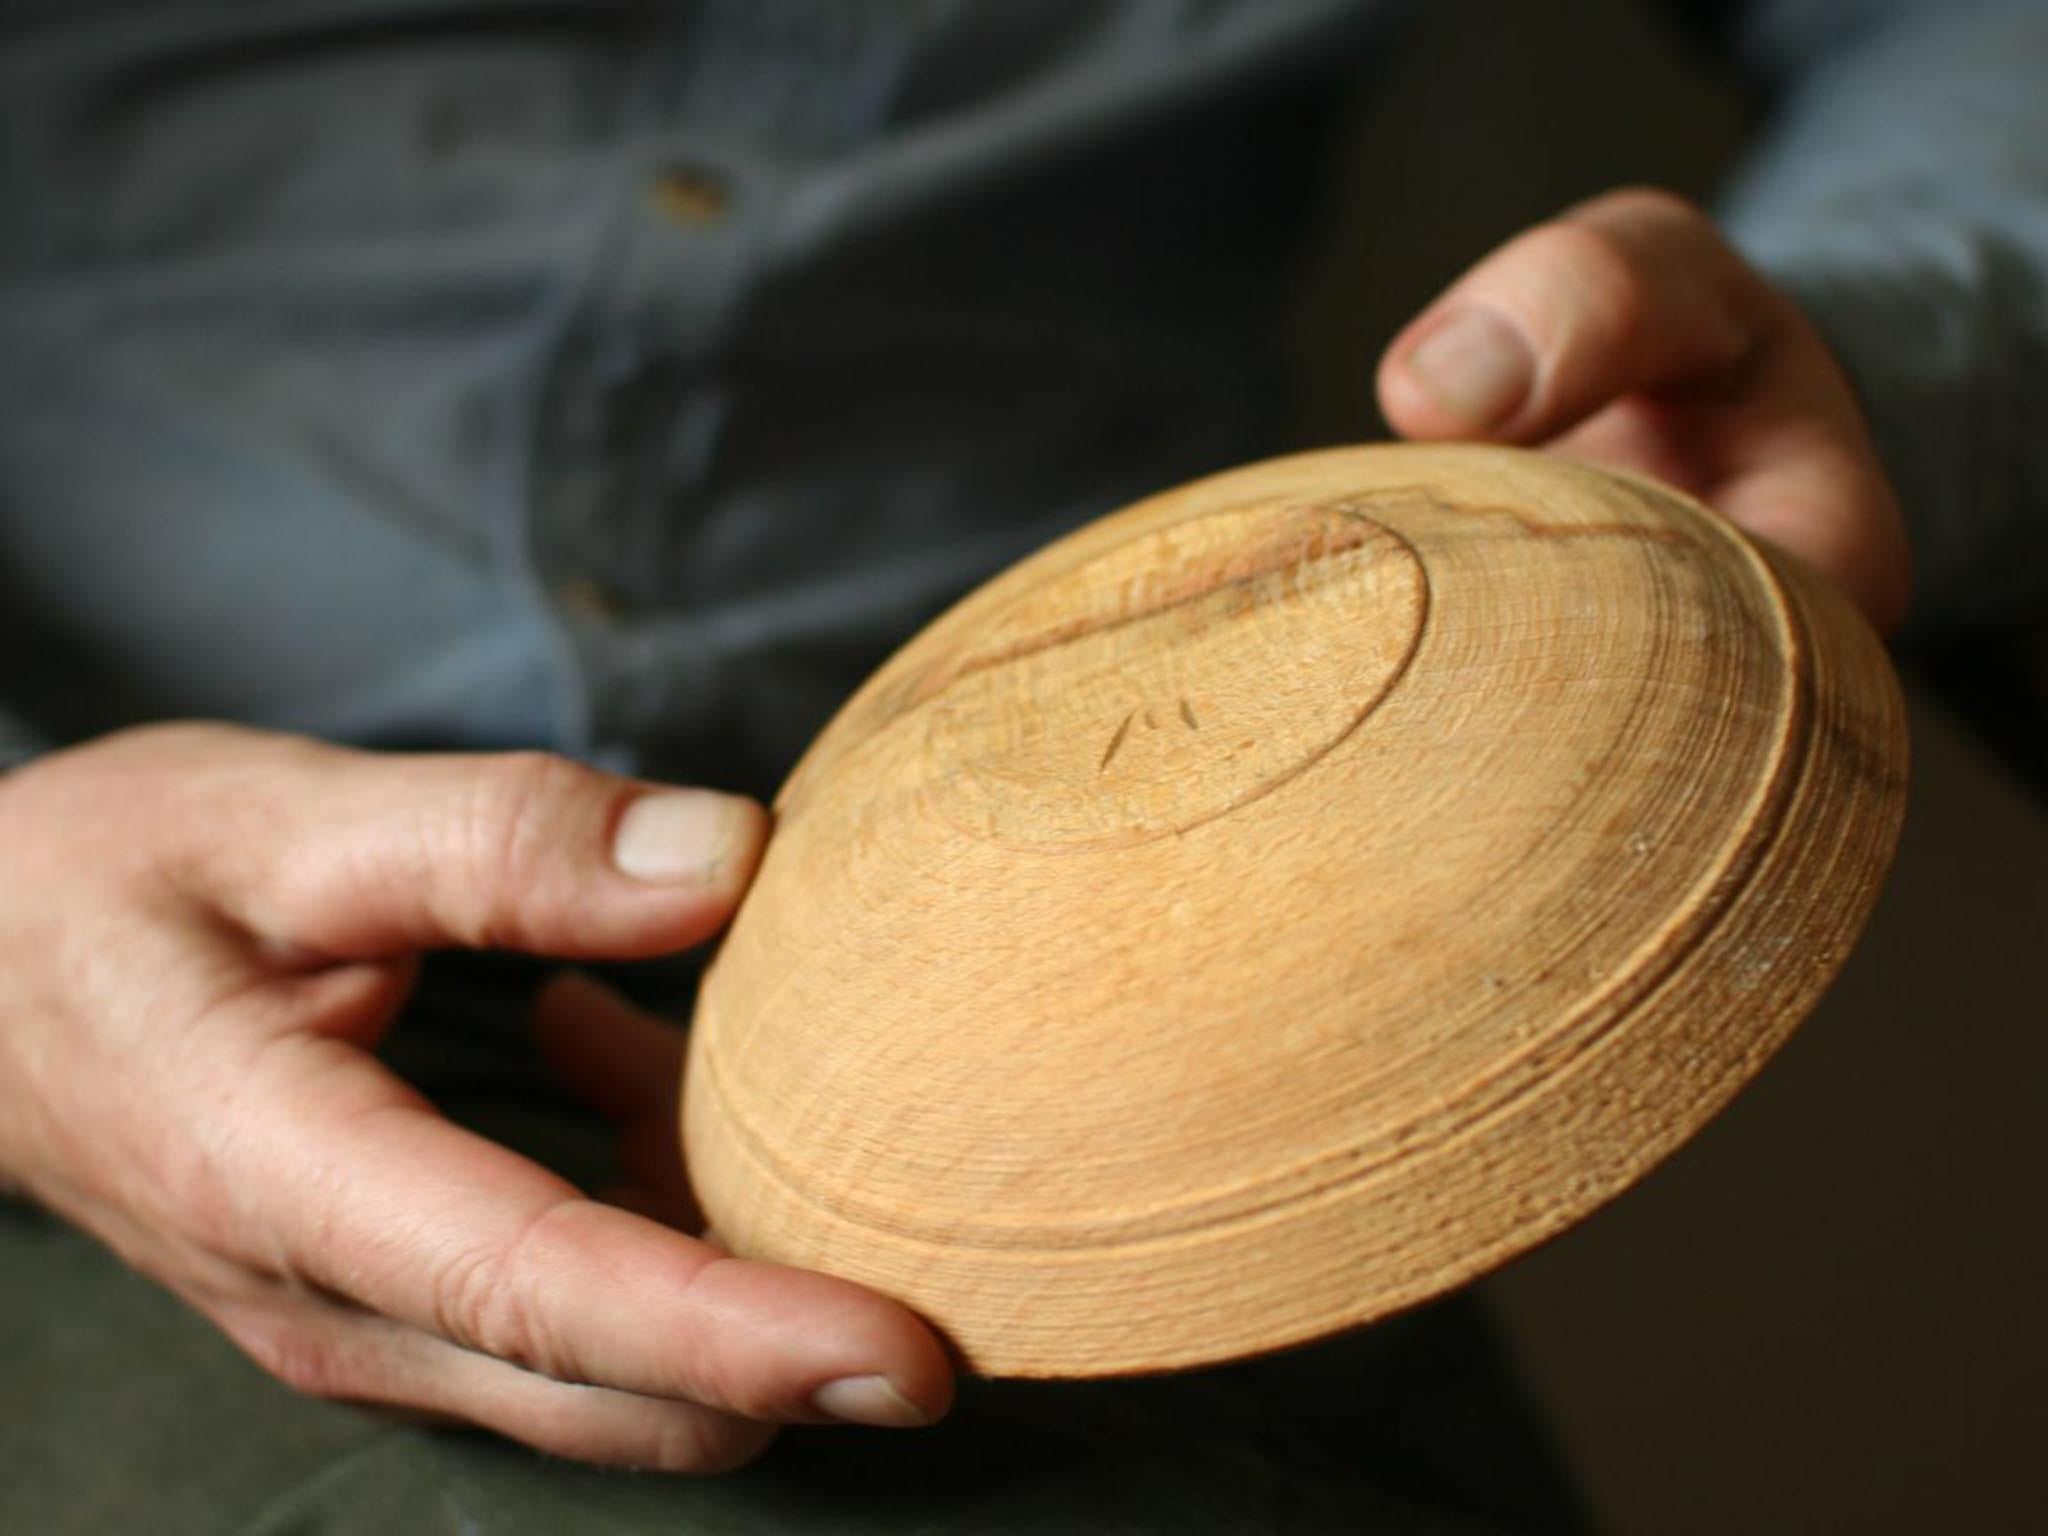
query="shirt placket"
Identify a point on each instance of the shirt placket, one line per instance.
(737, 98)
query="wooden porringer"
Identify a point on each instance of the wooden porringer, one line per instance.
(1280, 902)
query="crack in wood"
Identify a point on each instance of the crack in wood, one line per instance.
(1116, 742)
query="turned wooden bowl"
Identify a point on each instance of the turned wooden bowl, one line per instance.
(1277, 903)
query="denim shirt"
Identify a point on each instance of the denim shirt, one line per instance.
(630, 378)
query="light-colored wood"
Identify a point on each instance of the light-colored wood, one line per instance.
(1278, 903)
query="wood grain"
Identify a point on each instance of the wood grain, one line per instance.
(1280, 902)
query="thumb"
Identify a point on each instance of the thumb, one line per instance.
(360, 856)
(1634, 290)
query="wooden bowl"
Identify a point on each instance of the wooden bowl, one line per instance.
(1277, 903)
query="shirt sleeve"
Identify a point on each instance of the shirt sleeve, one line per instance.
(1900, 195)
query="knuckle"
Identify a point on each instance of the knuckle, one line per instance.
(1595, 265)
(513, 803)
(484, 1300)
(478, 1304)
(512, 820)
(1646, 258)
(1660, 204)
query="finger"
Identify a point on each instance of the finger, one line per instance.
(1791, 464)
(1629, 332)
(610, 1053)
(328, 1352)
(381, 1200)
(1632, 291)
(351, 855)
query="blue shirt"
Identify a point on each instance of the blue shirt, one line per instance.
(629, 379)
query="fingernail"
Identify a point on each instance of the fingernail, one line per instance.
(1477, 366)
(871, 1400)
(683, 836)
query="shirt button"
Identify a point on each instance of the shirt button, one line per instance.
(690, 195)
(584, 597)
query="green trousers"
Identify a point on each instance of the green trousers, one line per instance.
(122, 1412)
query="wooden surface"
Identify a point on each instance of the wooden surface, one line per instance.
(1284, 900)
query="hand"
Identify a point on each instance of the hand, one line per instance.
(1628, 332)
(203, 932)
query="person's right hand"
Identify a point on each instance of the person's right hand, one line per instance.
(203, 932)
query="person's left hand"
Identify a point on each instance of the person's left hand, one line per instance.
(1628, 332)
